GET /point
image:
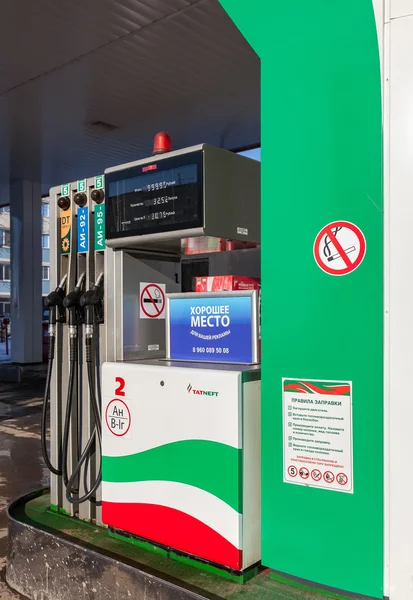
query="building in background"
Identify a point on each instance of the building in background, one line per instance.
(5, 264)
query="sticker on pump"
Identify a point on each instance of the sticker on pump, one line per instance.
(339, 248)
(152, 300)
(118, 417)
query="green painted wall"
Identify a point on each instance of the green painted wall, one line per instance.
(321, 161)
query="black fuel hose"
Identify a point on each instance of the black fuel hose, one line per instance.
(69, 406)
(54, 303)
(72, 492)
(75, 313)
(45, 410)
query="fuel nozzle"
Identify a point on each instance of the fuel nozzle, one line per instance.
(75, 310)
(92, 302)
(54, 303)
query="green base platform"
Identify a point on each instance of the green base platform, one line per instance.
(56, 556)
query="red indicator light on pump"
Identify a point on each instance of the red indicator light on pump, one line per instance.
(162, 143)
(149, 168)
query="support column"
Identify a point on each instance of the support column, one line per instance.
(321, 124)
(26, 263)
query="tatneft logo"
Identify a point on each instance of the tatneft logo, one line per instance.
(200, 392)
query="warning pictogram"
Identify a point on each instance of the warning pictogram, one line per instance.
(328, 477)
(152, 300)
(118, 419)
(342, 479)
(339, 248)
(292, 471)
(304, 473)
(316, 474)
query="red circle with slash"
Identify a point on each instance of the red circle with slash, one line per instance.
(304, 473)
(153, 295)
(342, 479)
(340, 248)
(316, 474)
(328, 477)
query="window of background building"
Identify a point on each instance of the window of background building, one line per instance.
(45, 273)
(4, 308)
(4, 272)
(45, 241)
(4, 238)
(45, 209)
(4, 209)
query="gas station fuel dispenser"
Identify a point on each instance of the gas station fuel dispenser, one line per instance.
(181, 432)
(174, 413)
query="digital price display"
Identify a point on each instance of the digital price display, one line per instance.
(166, 195)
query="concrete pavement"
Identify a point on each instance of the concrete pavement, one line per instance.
(21, 465)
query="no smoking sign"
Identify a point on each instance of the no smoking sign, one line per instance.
(339, 248)
(152, 300)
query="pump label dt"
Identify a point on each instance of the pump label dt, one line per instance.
(118, 417)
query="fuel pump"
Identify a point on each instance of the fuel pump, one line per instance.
(169, 450)
(91, 305)
(78, 252)
(54, 303)
(180, 416)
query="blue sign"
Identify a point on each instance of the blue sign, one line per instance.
(82, 229)
(212, 329)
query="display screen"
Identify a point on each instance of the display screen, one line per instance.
(213, 329)
(156, 197)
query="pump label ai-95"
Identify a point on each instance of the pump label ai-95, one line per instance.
(100, 242)
(212, 329)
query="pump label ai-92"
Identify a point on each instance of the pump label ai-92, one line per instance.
(212, 329)
(82, 229)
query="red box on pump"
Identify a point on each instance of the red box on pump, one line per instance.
(226, 283)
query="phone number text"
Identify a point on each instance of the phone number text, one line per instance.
(209, 350)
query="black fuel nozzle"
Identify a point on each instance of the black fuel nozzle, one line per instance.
(75, 310)
(54, 303)
(92, 302)
(76, 316)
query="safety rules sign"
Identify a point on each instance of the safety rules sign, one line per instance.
(339, 248)
(152, 300)
(317, 430)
